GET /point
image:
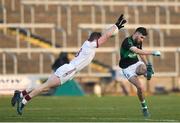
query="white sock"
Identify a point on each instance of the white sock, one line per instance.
(143, 101)
(21, 95)
(24, 101)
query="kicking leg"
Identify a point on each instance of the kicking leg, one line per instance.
(141, 69)
(135, 81)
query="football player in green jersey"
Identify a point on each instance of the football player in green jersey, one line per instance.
(132, 67)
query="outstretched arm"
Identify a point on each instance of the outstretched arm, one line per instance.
(139, 51)
(113, 29)
(143, 52)
(108, 33)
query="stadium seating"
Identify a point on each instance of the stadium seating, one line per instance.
(70, 22)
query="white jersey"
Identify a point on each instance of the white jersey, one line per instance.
(85, 55)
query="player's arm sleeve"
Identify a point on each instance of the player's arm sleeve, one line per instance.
(108, 33)
(140, 51)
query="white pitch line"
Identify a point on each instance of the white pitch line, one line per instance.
(121, 118)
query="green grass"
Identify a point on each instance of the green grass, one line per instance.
(92, 109)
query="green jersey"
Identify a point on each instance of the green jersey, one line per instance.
(127, 56)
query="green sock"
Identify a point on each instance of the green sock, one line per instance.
(144, 105)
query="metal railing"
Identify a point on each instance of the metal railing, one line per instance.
(49, 52)
(101, 5)
(4, 13)
(111, 50)
(13, 6)
(52, 27)
(174, 74)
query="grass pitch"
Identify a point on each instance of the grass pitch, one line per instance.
(92, 109)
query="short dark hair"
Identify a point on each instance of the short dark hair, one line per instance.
(142, 30)
(94, 35)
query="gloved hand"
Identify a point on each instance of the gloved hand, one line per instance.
(150, 71)
(120, 22)
(156, 53)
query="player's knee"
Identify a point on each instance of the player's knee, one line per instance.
(140, 89)
(141, 69)
(53, 81)
(56, 83)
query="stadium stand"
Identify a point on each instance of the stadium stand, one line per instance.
(67, 23)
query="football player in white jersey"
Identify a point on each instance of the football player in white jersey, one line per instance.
(67, 71)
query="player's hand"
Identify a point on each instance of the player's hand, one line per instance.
(150, 71)
(156, 53)
(120, 22)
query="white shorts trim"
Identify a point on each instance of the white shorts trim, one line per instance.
(131, 70)
(65, 72)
